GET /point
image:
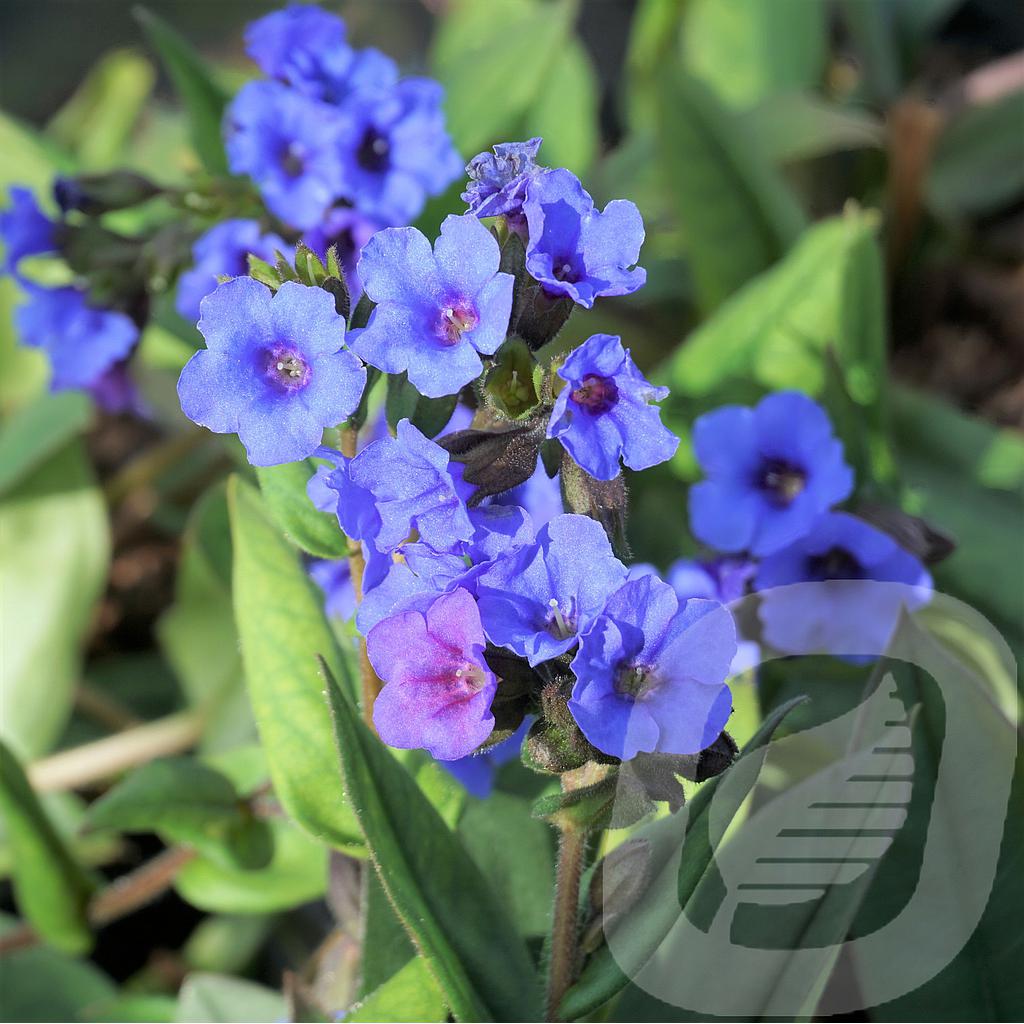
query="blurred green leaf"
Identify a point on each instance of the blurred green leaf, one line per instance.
(453, 915)
(737, 216)
(43, 984)
(429, 415)
(203, 97)
(54, 550)
(653, 40)
(197, 633)
(282, 628)
(872, 32)
(184, 801)
(284, 491)
(747, 50)
(51, 887)
(220, 999)
(129, 1007)
(515, 852)
(96, 123)
(226, 943)
(565, 114)
(978, 164)
(492, 57)
(799, 126)
(411, 994)
(29, 159)
(38, 431)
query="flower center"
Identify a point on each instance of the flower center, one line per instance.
(635, 682)
(566, 271)
(596, 394)
(293, 159)
(783, 480)
(286, 368)
(374, 151)
(455, 320)
(835, 564)
(561, 622)
(470, 674)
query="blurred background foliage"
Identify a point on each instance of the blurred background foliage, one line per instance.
(834, 198)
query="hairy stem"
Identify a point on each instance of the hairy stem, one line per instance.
(371, 684)
(572, 845)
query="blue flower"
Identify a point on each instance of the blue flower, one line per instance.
(305, 47)
(577, 250)
(771, 471)
(288, 144)
(477, 772)
(223, 250)
(349, 230)
(274, 371)
(334, 577)
(498, 181)
(537, 601)
(438, 688)
(436, 310)
(395, 486)
(25, 229)
(396, 152)
(604, 412)
(839, 589)
(650, 674)
(81, 341)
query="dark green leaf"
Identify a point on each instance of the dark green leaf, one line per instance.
(184, 801)
(38, 431)
(51, 887)
(283, 629)
(456, 921)
(385, 941)
(204, 99)
(737, 216)
(284, 491)
(404, 402)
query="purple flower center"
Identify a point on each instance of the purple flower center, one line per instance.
(782, 480)
(286, 368)
(471, 677)
(293, 159)
(374, 151)
(596, 394)
(835, 564)
(565, 269)
(455, 320)
(635, 682)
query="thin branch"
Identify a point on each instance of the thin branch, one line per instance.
(95, 762)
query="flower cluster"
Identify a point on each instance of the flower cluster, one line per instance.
(828, 581)
(86, 343)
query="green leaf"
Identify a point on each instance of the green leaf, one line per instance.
(43, 984)
(283, 629)
(747, 50)
(203, 97)
(737, 216)
(411, 994)
(429, 415)
(52, 888)
(197, 633)
(653, 915)
(515, 852)
(216, 998)
(800, 126)
(54, 548)
(869, 24)
(566, 111)
(96, 123)
(777, 328)
(978, 165)
(284, 491)
(38, 431)
(184, 801)
(492, 57)
(386, 944)
(130, 1007)
(453, 916)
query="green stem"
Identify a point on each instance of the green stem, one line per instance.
(572, 845)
